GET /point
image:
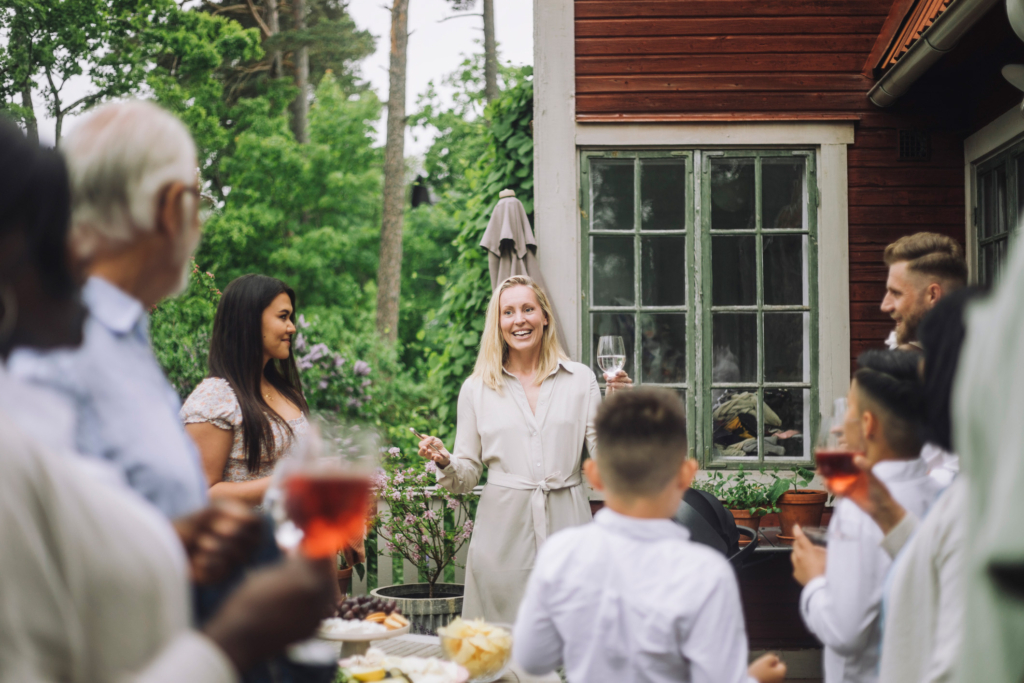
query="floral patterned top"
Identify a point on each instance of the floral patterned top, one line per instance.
(214, 401)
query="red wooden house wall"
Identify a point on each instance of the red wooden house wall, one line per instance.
(679, 60)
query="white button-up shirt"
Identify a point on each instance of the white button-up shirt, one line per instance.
(125, 411)
(842, 607)
(627, 599)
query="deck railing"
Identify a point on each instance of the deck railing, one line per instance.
(385, 572)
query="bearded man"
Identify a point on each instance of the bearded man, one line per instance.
(923, 268)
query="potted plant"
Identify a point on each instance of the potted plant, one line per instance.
(796, 505)
(427, 525)
(746, 499)
(345, 569)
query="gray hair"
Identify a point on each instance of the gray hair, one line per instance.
(120, 157)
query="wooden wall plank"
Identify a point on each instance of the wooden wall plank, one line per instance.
(721, 102)
(715, 82)
(914, 196)
(834, 62)
(680, 45)
(788, 26)
(729, 8)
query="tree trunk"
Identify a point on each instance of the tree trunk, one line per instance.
(31, 127)
(275, 27)
(490, 53)
(300, 109)
(389, 271)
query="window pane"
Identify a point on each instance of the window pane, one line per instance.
(734, 339)
(782, 193)
(732, 194)
(620, 324)
(734, 419)
(991, 258)
(785, 270)
(663, 273)
(992, 203)
(733, 271)
(787, 421)
(663, 195)
(663, 348)
(611, 192)
(784, 335)
(612, 257)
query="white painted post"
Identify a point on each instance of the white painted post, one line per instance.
(384, 572)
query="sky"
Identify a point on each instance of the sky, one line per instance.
(436, 47)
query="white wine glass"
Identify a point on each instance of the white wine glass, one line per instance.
(611, 355)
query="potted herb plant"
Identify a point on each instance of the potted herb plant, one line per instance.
(345, 569)
(427, 525)
(796, 504)
(746, 499)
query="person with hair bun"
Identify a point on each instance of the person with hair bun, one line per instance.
(842, 595)
(527, 413)
(250, 411)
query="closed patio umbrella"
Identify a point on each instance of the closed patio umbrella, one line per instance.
(511, 248)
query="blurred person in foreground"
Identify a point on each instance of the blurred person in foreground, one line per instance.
(93, 579)
(630, 597)
(134, 226)
(923, 268)
(988, 415)
(924, 613)
(842, 596)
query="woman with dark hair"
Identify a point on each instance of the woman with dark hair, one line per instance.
(250, 411)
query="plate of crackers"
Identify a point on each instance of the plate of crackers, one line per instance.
(481, 648)
(364, 619)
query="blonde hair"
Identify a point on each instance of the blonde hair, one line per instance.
(493, 349)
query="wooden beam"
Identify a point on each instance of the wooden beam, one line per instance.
(723, 82)
(834, 62)
(592, 28)
(615, 9)
(713, 117)
(714, 45)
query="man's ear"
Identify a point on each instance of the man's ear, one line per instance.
(687, 471)
(870, 426)
(593, 475)
(933, 293)
(170, 217)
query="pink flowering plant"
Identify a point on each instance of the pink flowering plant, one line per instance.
(424, 523)
(331, 382)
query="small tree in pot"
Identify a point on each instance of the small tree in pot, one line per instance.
(427, 525)
(795, 504)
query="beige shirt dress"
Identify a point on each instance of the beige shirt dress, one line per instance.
(534, 481)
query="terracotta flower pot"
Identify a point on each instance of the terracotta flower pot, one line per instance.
(344, 580)
(803, 507)
(744, 518)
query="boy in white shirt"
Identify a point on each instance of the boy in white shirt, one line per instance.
(842, 595)
(629, 597)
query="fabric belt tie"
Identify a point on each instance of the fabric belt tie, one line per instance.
(538, 497)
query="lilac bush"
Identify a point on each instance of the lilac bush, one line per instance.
(428, 535)
(330, 382)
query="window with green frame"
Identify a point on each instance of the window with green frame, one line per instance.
(704, 262)
(1000, 206)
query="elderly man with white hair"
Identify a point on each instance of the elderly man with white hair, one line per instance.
(134, 226)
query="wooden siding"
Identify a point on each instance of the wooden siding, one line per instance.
(714, 60)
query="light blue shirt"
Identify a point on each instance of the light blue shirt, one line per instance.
(125, 411)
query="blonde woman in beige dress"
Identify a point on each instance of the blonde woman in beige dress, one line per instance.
(527, 413)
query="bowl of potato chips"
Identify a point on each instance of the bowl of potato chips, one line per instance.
(481, 648)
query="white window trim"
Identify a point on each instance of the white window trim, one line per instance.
(1004, 132)
(558, 137)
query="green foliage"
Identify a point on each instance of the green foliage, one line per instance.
(428, 536)
(180, 329)
(738, 491)
(800, 477)
(506, 163)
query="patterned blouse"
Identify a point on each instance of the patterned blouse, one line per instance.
(214, 401)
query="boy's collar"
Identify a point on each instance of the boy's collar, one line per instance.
(640, 529)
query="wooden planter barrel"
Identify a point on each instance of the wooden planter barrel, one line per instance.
(426, 614)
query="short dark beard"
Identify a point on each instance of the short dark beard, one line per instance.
(907, 333)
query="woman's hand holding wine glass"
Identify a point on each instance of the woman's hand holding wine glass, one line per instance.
(611, 358)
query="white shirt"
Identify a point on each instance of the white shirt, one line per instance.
(943, 466)
(842, 607)
(93, 584)
(924, 607)
(627, 599)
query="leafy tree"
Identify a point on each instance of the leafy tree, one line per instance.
(507, 163)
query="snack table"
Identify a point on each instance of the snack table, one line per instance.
(430, 646)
